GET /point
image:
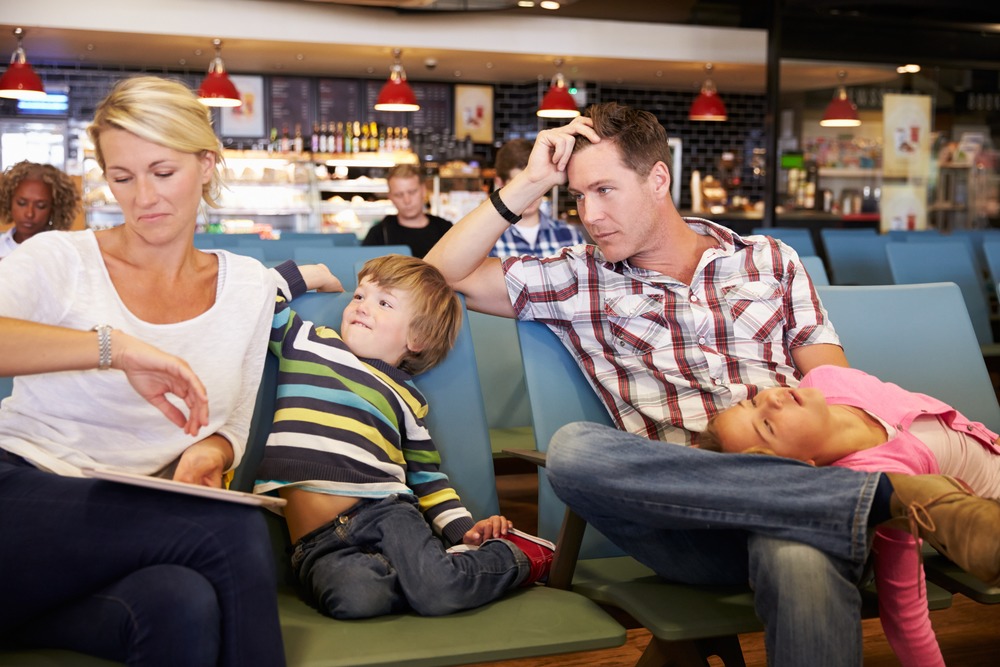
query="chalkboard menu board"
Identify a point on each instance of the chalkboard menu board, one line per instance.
(291, 103)
(339, 100)
(435, 107)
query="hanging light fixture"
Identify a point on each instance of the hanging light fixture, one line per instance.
(841, 112)
(396, 94)
(217, 90)
(708, 105)
(20, 81)
(557, 102)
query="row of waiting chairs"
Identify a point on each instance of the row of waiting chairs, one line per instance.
(883, 329)
(970, 260)
(686, 621)
(857, 256)
(528, 622)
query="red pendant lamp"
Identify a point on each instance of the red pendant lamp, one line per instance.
(216, 89)
(557, 102)
(396, 94)
(841, 111)
(708, 105)
(20, 81)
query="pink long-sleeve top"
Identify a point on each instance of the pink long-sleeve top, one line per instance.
(899, 577)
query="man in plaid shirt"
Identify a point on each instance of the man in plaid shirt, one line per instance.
(672, 321)
(536, 234)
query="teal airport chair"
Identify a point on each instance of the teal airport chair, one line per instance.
(991, 257)
(338, 239)
(687, 623)
(944, 261)
(529, 622)
(921, 338)
(816, 270)
(248, 251)
(799, 238)
(971, 242)
(917, 336)
(342, 260)
(856, 257)
(284, 248)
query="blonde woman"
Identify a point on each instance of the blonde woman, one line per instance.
(135, 351)
(35, 198)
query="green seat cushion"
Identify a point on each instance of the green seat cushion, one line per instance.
(528, 622)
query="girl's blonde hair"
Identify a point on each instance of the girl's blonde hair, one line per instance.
(164, 112)
(710, 440)
(437, 314)
(65, 195)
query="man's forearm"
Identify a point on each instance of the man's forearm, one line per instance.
(463, 249)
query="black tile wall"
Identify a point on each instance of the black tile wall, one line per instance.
(703, 143)
(514, 116)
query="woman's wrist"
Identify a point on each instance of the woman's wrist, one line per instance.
(104, 346)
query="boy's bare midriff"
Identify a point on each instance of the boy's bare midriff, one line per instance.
(306, 510)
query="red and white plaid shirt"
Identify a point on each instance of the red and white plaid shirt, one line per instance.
(662, 354)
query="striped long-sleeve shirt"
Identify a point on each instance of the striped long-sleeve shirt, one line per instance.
(350, 426)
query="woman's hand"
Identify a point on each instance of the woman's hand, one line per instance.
(205, 462)
(486, 529)
(319, 278)
(154, 374)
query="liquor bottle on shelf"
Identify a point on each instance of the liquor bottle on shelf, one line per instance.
(365, 139)
(373, 145)
(356, 139)
(336, 138)
(405, 143)
(348, 138)
(286, 141)
(324, 142)
(273, 145)
(298, 143)
(314, 139)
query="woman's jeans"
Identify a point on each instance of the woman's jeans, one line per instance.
(798, 533)
(132, 574)
(382, 558)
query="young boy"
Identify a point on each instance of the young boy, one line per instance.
(350, 453)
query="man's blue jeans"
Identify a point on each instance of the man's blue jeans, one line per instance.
(384, 559)
(132, 574)
(798, 533)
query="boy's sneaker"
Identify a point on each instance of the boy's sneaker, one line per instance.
(538, 551)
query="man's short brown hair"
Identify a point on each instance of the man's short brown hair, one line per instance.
(641, 140)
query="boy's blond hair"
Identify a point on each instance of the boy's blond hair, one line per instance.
(437, 310)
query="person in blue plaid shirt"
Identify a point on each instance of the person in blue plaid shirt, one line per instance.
(536, 234)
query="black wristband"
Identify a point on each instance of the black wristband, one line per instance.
(502, 209)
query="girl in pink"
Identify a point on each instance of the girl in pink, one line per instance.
(845, 417)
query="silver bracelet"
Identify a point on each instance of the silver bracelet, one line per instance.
(104, 345)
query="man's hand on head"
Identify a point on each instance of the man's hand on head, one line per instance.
(553, 148)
